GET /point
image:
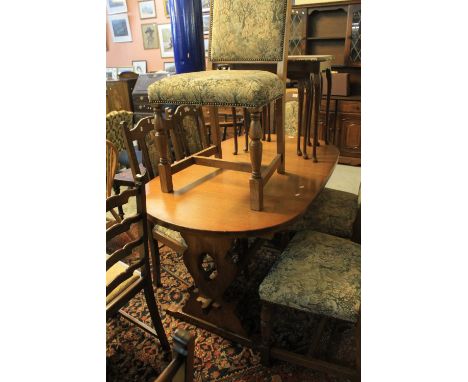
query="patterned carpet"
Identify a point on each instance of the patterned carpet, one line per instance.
(134, 355)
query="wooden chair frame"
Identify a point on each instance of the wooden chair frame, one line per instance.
(259, 176)
(267, 351)
(143, 282)
(181, 367)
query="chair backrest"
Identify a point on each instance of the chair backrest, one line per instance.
(111, 166)
(128, 75)
(144, 134)
(245, 31)
(114, 131)
(139, 241)
(188, 131)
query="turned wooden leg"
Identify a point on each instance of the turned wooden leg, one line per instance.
(279, 109)
(155, 258)
(265, 325)
(155, 316)
(256, 183)
(234, 121)
(164, 166)
(246, 128)
(270, 111)
(327, 109)
(307, 110)
(215, 133)
(264, 122)
(316, 103)
(300, 119)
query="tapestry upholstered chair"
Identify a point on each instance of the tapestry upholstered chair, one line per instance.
(318, 274)
(240, 32)
(334, 212)
(143, 132)
(124, 281)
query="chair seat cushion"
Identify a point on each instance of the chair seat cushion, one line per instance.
(112, 273)
(333, 212)
(174, 235)
(317, 273)
(247, 88)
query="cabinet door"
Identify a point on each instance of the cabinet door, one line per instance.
(353, 36)
(322, 125)
(350, 135)
(297, 37)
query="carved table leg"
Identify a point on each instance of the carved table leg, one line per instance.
(308, 107)
(164, 166)
(206, 302)
(300, 98)
(327, 109)
(316, 109)
(256, 183)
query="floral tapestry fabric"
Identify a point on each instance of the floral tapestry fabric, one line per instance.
(247, 30)
(317, 273)
(333, 212)
(170, 233)
(244, 88)
(291, 118)
(114, 131)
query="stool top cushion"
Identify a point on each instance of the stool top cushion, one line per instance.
(333, 212)
(317, 273)
(243, 88)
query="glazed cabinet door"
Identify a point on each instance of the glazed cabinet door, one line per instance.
(349, 135)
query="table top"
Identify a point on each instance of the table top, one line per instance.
(217, 201)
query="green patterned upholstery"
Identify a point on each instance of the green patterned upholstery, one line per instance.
(174, 235)
(333, 212)
(192, 137)
(291, 118)
(114, 131)
(317, 273)
(243, 30)
(243, 88)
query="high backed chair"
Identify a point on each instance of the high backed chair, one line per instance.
(143, 132)
(240, 32)
(318, 274)
(111, 168)
(123, 282)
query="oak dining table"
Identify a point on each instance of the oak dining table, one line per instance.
(210, 207)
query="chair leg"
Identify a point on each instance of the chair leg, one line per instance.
(256, 181)
(265, 325)
(234, 125)
(156, 260)
(358, 349)
(246, 128)
(155, 316)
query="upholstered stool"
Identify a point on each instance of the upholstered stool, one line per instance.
(333, 212)
(318, 274)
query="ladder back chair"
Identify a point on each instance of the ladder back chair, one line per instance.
(143, 133)
(240, 32)
(111, 168)
(124, 281)
(318, 274)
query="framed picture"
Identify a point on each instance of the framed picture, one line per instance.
(125, 69)
(116, 6)
(111, 73)
(205, 5)
(147, 9)
(139, 66)
(120, 28)
(165, 40)
(150, 36)
(206, 24)
(207, 43)
(169, 67)
(166, 8)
